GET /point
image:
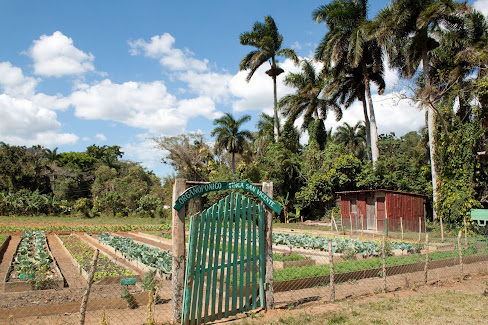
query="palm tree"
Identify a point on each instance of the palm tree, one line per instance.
(229, 137)
(306, 100)
(347, 45)
(406, 29)
(265, 133)
(347, 85)
(267, 41)
(353, 137)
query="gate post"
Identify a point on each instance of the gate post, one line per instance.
(268, 247)
(179, 254)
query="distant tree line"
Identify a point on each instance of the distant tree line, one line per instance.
(38, 180)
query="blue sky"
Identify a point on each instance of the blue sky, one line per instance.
(76, 73)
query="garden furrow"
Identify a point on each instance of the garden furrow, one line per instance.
(69, 271)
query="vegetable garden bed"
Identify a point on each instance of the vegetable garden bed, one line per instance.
(33, 266)
(4, 241)
(143, 257)
(108, 271)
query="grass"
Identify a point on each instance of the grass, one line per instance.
(446, 307)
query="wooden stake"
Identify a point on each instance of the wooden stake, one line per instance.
(362, 224)
(383, 254)
(335, 223)
(420, 228)
(401, 225)
(350, 224)
(426, 257)
(442, 230)
(465, 233)
(84, 302)
(460, 255)
(331, 222)
(268, 240)
(331, 276)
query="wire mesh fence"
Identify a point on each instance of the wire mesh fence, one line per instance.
(363, 264)
(130, 284)
(309, 263)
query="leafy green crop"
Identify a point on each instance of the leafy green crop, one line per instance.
(32, 254)
(340, 245)
(83, 228)
(150, 256)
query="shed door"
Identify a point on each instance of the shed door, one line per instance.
(370, 214)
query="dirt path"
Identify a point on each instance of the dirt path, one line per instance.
(69, 271)
(7, 258)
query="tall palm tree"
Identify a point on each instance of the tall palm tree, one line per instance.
(347, 45)
(229, 137)
(267, 41)
(306, 100)
(265, 133)
(406, 29)
(353, 137)
(347, 85)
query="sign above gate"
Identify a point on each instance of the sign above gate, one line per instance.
(220, 186)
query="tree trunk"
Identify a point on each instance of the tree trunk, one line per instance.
(275, 109)
(372, 120)
(367, 129)
(431, 128)
(233, 163)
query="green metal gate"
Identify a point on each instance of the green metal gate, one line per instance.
(225, 267)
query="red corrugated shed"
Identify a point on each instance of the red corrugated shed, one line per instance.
(372, 209)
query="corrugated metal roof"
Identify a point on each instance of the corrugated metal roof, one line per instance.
(381, 190)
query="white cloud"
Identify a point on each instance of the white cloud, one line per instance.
(25, 123)
(211, 84)
(481, 5)
(257, 94)
(161, 47)
(56, 56)
(142, 105)
(14, 83)
(391, 115)
(101, 137)
(144, 151)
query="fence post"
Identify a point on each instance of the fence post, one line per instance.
(331, 273)
(426, 257)
(268, 243)
(179, 253)
(401, 225)
(332, 222)
(362, 223)
(420, 228)
(350, 224)
(442, 230)
(84, 302)
(383, 254)
(461, 267)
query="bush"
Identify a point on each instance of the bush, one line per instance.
(83, 206)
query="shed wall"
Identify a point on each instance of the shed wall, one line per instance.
(394, 206)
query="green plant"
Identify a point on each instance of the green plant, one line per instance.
(129, 298)
(149, 282)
